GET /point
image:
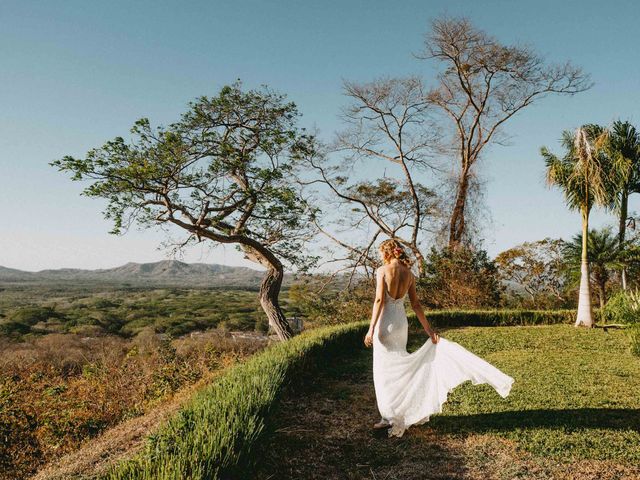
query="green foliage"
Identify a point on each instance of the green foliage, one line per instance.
(534, 272)
(585, 173)
(495, 318)
(634, 337)
(222, 172)
(30, 315)
(216, 433)
(623, 307)
(124, 312)
(624, 148)
(330, 305)
(20, 320)
(459, 278)
(14, 329)
(605, 255)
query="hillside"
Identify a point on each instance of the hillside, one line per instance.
(165, 272)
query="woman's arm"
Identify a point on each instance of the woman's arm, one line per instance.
(417, 307)
(377, 306)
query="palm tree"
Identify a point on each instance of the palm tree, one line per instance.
(624, 144)
(582, 174)
(605, 255)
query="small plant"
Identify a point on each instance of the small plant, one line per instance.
(634, 334)
(623, 307)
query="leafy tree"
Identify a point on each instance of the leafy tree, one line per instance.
(322, 300)
(537, 268)
(222, 172)
(460, 278)
(604, 253)
(30, 315)
(583, 174)
(624, 142)
(481, 85)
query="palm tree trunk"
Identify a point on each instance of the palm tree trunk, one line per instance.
(622, 230)
(585, 314)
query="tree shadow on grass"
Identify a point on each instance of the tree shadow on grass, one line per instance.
(575, 418)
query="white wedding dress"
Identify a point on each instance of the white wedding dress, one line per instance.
(410, 387)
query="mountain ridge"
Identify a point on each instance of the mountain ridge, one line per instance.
(160, 272)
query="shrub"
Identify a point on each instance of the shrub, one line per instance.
(14, 329)
(489, 318)
(634, 334)
(623, 307)
(30, 315)
(460, 278)
(217, 432)
(328, 306)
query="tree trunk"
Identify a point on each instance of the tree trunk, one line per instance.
(457, 222)
(419, 260)
(585, 313)
(602, 296)
(622, 227)
(269, 292)
(270, 288)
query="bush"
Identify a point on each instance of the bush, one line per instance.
(461, 278)
(494, 318)
(329, 306)
(634, 334)
(216, 433)
(31, 315)
(623, 307)
(14, 329)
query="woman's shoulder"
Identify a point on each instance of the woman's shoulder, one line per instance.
(394, 270)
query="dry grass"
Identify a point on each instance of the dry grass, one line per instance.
(59, 391)
(122, 441)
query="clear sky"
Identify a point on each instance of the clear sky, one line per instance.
(77, 73)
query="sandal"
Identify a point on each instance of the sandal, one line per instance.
(381, 424)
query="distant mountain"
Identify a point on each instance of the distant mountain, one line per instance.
(165, 272)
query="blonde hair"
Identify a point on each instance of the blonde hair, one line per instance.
(390, 249)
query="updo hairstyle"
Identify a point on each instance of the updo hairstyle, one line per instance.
(390, 249)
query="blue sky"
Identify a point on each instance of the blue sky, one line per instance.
(77, 73)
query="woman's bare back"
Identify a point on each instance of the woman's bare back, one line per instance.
(397, 278)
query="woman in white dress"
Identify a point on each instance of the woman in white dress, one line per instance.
(410, 387)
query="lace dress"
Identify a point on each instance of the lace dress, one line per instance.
(410, 387)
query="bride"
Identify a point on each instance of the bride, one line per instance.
(410, 387)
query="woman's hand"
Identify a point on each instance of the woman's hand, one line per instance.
(434, 335)
(368, 339)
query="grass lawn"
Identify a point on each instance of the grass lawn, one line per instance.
(573, 413)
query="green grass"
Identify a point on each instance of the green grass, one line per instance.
(576, 391)
(216, 433)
